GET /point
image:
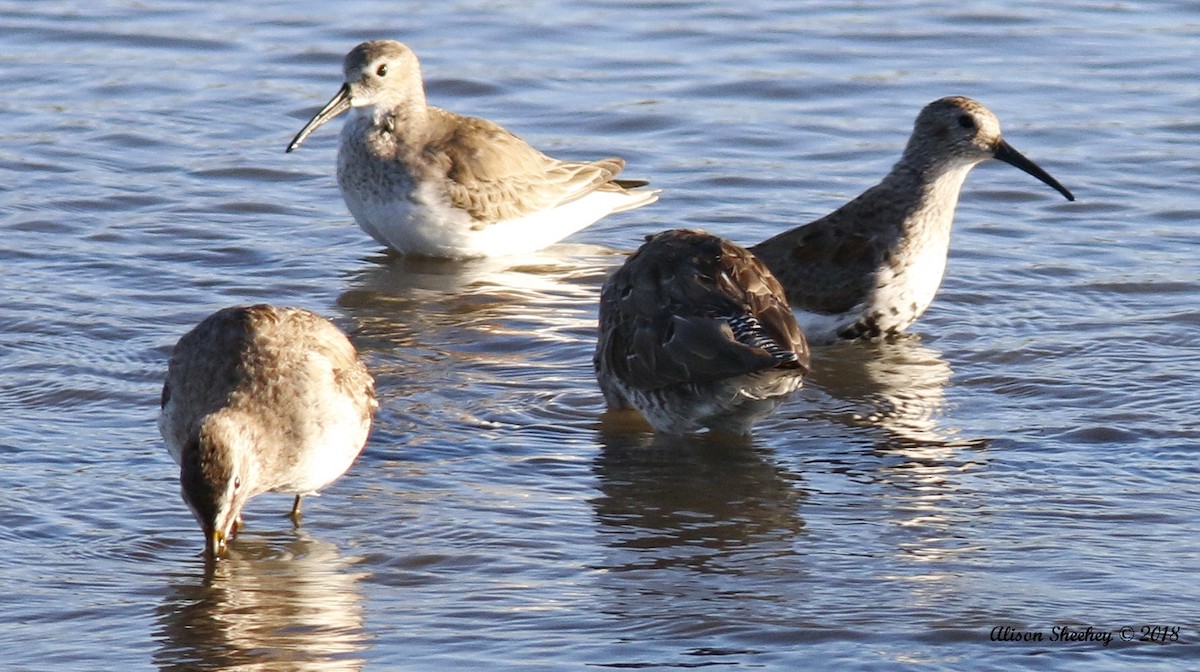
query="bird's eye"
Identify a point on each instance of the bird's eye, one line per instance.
(381, 70)
(966, 122)
(237, 483)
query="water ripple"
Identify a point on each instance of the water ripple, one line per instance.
(1025, 457)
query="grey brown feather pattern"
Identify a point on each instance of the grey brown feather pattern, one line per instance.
(424, 180)
(695, 332)
(494, 175)
(870, 268)
(259, 399)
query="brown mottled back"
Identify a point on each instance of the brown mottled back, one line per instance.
(665, 316)
(494, 175)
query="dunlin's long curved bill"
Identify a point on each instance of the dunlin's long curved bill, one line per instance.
(1012, 157)
(337, 105)
(429, 182)
(872, 267)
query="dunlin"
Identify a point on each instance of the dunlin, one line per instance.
(695, 332)
(870, 268)
(425, 181)
(262, 399)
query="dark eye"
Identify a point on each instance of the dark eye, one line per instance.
(237, 483)
(966, 122)
(381, 70)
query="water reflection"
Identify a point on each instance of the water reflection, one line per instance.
(898, 387)
(496, 287)
(268, 605)
(701, 537)
(919, 468)
(690, 501)
(468, 347)
(485, 311)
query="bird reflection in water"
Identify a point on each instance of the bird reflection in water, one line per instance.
(691, 501)
(920, 466)
(268, 605)
(701, 536)
(898, 387)
(439, 303)
(479, 345)
(551, 272)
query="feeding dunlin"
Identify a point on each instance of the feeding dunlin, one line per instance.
(261, 399)
(871, 268)
(429, 182)
(695, 332)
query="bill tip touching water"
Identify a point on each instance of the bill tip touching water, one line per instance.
(872, 267)
(426, 181)
(261, 399)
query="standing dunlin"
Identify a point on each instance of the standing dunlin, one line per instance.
(262, 399)
(870, 268)
(695, 332)
(429, 182)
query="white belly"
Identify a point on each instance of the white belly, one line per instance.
(900, 297)
(425, 225)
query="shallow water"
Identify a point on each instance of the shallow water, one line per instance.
(1026, 458)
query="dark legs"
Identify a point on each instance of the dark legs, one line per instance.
(295, 514)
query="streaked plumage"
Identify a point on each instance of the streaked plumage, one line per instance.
(695, 332)
(262, 399)
(429, 182)
(871, 268)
